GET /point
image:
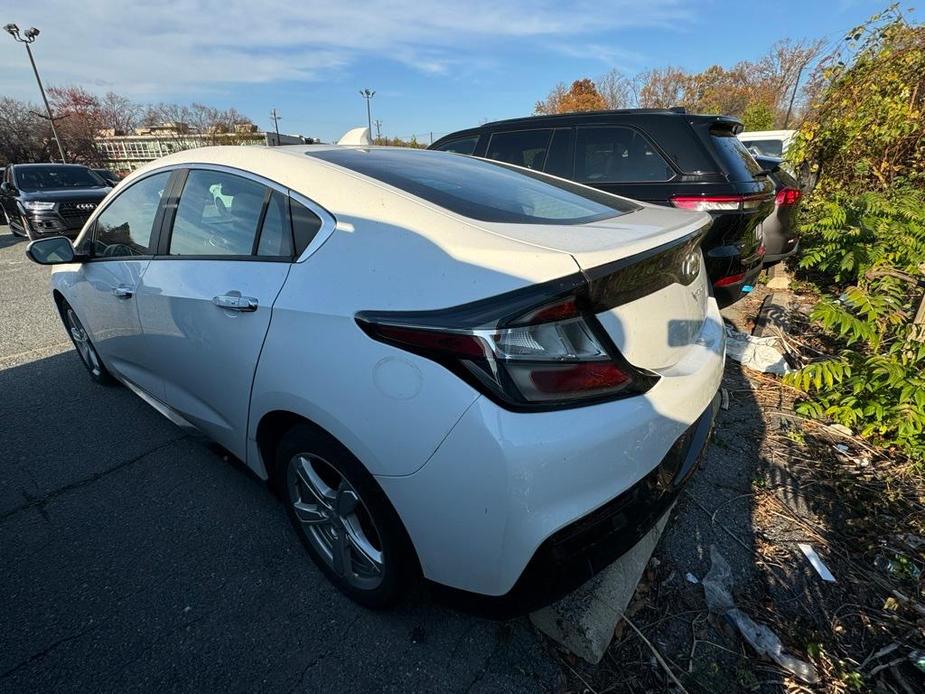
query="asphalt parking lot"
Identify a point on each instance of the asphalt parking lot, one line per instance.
(133, 557)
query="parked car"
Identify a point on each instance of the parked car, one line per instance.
(665, 157)
(768, 143)
(49, 199)
(442, 364)
(781, 238)
(109, 176)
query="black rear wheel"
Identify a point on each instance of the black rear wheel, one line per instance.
(343, 518)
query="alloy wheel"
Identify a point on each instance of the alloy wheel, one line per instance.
(335, 521)
(82, 342)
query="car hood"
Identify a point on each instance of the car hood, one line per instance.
(96, 194)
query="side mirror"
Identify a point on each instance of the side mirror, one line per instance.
(56, 250)
(7, 188)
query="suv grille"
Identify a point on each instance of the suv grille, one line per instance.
(73, 209)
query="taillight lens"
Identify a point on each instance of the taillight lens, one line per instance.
(715, 203)
(554, 354)
(788, 196)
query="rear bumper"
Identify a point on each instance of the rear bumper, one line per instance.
(789, 248)
(509, 497)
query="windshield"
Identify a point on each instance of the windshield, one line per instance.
(51, 177)
(479, 189)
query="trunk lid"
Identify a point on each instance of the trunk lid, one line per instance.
(647, 277)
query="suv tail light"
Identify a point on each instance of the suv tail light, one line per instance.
(537, 348)
(788, 196)
(716, 203)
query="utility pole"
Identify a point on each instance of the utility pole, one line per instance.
(27, 39)
(275, 117)
(378, 131)
(368, 95)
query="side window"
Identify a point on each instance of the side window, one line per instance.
(218, 214)
(464, 145)
(275, 234)
(305, 224)
(559, 160)
(617, 155)
(522, 148)
(124, 227)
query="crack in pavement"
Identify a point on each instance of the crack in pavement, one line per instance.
(42, 501)
(48, 649)
(317, 659)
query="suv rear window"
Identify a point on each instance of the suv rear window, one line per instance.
(734, 156)
(480, 189)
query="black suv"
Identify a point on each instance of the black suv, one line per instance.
(49, 199)
(665, 157)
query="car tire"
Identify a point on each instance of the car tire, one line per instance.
(342, 516)
(84, 346)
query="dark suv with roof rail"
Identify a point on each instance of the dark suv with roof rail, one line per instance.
(665, 157)
(49, 199)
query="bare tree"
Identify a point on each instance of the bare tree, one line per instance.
(617, 89)
(24, 135)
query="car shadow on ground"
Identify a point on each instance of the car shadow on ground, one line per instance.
(8, 239)
(132, 553)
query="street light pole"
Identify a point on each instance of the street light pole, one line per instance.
(28, 39)
(368, 95)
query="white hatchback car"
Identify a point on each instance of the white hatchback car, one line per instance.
(443, 365)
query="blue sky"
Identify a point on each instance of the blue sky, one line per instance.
(436, 67)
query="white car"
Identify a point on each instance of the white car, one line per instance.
(768, 143)
(444, 365)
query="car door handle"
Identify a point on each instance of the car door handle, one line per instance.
(231, 302)
(123, 291)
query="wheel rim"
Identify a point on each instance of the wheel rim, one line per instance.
(82, 342)
(335, 521)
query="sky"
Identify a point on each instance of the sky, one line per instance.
(435, 66)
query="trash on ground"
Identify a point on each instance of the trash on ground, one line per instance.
(691, 578)
(816, 562)
(756, 353)
(918, 659)
(717, 586)
(841, 429)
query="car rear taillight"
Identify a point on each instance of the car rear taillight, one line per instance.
(715, 203)
(729, 280)
(788, 196)
(526, 349)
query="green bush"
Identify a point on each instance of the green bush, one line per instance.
(870, 248)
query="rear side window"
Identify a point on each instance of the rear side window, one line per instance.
(767, 148)
(734, 156)
(124, 227)
(218, 214)
(305, 225)
(275, 233)
(480, 189)
(614, 154)
(464, 145)
(523, 148)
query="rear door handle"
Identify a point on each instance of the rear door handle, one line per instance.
(123, 291)
(231, 302)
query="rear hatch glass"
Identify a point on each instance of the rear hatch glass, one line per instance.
(737, 161)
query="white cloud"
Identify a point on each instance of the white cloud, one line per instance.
(170, 47)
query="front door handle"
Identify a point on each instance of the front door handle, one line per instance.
(232, 302)
(123, 291)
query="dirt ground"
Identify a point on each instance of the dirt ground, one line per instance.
(770, 482)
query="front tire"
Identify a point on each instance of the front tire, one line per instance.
(84, 346)
(343, 518)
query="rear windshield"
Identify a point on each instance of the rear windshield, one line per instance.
(483, 190)
(51, 177)
(734, 156)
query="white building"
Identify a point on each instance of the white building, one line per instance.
(124, 153)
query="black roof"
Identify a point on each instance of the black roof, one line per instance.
(585, 115)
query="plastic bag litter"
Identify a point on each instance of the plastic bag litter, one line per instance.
(717, 585)
(756, 353)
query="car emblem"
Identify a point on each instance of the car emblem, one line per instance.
(690, 268)
(86, 205)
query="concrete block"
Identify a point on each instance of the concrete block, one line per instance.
(778, 277)
(584, 620)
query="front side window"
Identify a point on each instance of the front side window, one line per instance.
(124, 228)
(464, 145)
(614, 154)
(218, 214)
(522, 148)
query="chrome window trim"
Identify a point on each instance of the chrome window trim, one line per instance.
(328, 221)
